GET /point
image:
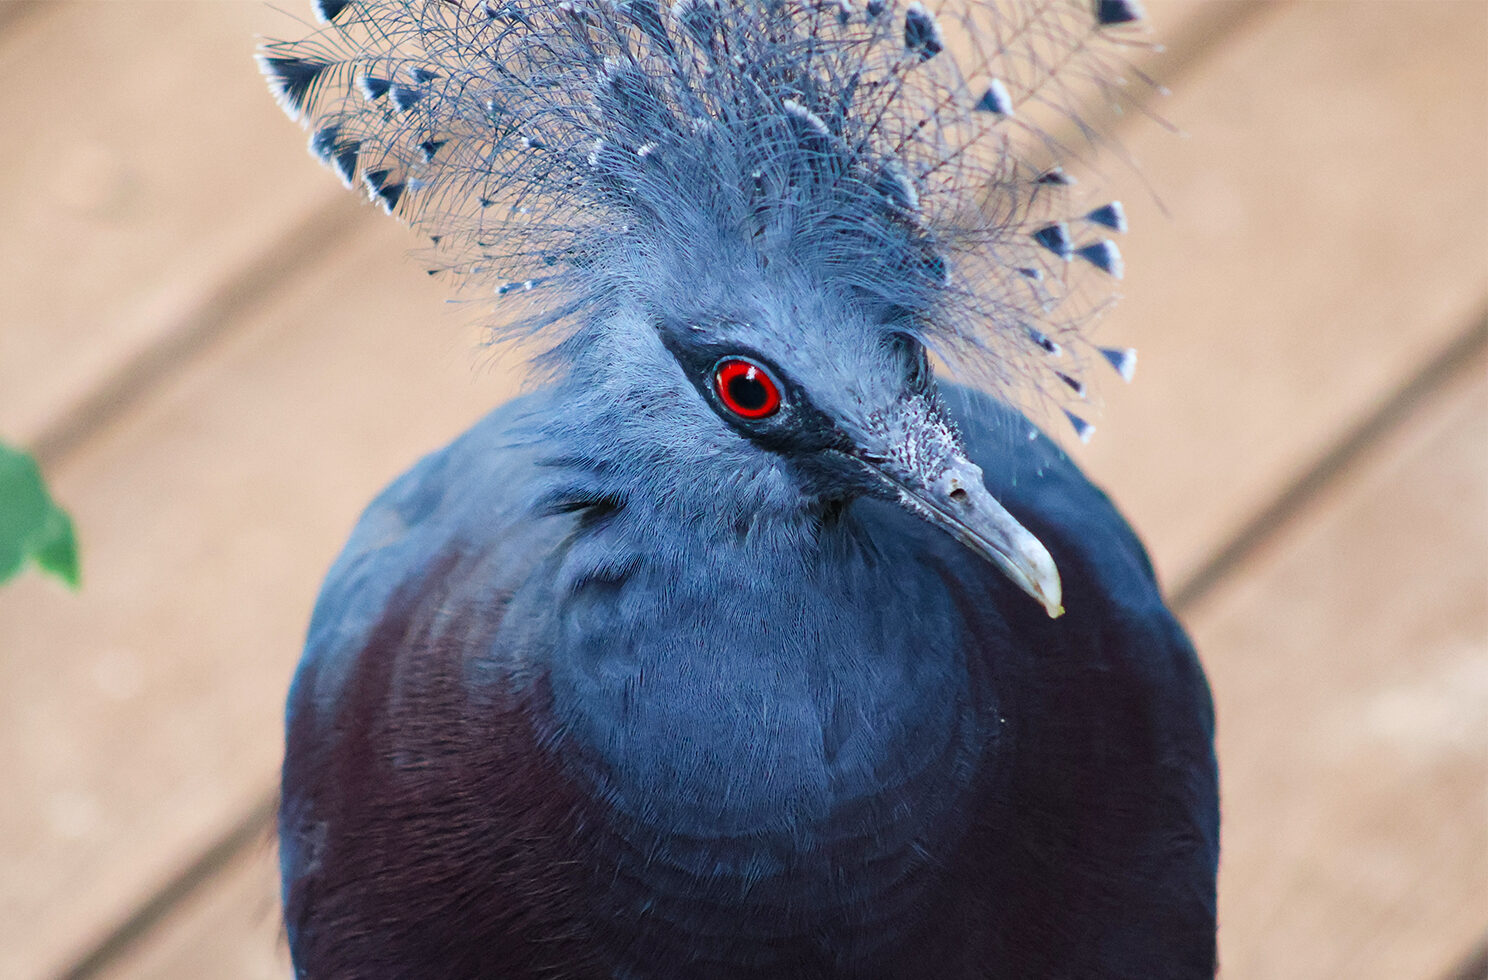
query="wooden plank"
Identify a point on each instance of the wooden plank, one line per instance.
(201, 722)
(230, 930)
(1351, 670)
(1326, 236)
(142, 715)
(146, 166)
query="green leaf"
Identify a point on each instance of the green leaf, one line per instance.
(32, 527)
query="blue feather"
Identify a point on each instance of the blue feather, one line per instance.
(610, 132)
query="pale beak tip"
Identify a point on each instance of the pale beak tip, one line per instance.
(1042, 582)
(1048, 591)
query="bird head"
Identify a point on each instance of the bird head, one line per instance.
(807, 383)
(753, 221)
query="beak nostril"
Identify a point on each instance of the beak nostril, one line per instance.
(959, 495)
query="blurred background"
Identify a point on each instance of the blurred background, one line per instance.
(218, 356)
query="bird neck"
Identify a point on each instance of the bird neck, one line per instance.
(794, 694)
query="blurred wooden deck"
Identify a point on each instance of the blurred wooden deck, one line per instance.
(220, 357)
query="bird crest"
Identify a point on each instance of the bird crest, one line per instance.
(901, 159)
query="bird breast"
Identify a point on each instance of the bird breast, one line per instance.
(767, 741)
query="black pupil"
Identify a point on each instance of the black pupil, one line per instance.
(748, 392)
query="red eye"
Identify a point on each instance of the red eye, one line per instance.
(745, 388)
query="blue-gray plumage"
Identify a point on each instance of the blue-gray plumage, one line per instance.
(741, 646)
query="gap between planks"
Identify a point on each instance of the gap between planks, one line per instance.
(12, 12)
(1294, 501)
(1474, 965)
(212, 321)
(252, 830)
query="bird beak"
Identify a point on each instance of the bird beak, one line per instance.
(932, 477)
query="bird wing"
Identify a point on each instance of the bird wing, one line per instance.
(407, 706)
(1104, 817)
